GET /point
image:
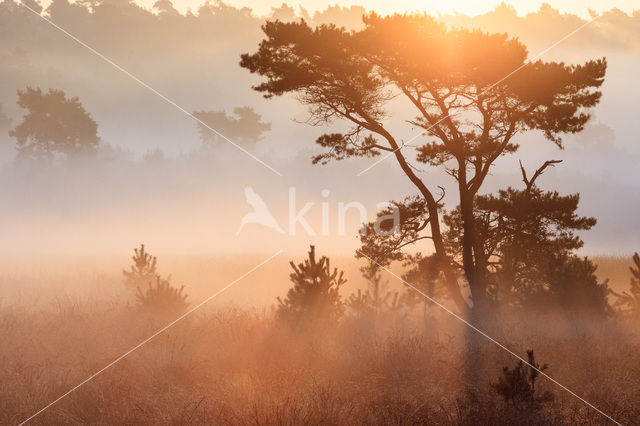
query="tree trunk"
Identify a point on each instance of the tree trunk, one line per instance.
(473, 256)
(444, 260)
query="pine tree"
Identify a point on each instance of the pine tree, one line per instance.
(143, 271)
(162, 297)
(469, 112)
(315, 292)
(425, 277)
(375, 299)
(528, 239)
(518, 385)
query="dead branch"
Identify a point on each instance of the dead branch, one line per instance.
(530, 182)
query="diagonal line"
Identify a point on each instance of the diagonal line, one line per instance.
(163, 329)
(142, 83)
(500, 345)
(527, 62)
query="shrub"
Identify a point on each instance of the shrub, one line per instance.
(162, 297)
(518, 385)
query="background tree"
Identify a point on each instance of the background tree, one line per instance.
(466, 96)
(375, 299)
(426, 276)
(53, 126)
(246, 128)
(143, 271)
(315, 294)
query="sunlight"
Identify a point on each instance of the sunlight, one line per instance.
(238, 216)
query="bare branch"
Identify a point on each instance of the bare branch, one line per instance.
(530, 182)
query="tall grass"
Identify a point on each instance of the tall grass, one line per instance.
(239, 366)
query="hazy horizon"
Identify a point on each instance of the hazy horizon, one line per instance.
(151, 152)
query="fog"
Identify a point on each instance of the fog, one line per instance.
(156, 180)
(202, 191)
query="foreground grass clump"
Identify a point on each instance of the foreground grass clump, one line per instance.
(233, 366)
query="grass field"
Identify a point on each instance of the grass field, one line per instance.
(226, 364)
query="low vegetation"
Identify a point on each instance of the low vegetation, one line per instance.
(154, 294)
(318, 358)
(231, 366)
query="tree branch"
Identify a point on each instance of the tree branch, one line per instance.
(530, 182)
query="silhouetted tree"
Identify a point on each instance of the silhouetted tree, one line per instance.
(54, 125)
(528, 238)
(143, 271)
(469, 102)
(571, 281)
(246, 129)
(315, 294)
(154, 294)
(385, 245)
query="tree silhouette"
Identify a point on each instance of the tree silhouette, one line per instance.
(469, 103)
(518, 385)
(143, 271)
(54, 125)
(315, 293)
(154, 294)
(375, 299)
(161, 297)
(426, 276)
(246, 129)
(528, 239)
(573, 285)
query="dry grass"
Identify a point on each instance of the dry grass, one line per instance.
(233, 366)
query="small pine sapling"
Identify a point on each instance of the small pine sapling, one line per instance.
(374, 300)
(315, 292)
(143, 271)
(518, 385)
